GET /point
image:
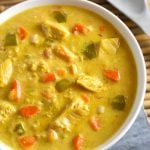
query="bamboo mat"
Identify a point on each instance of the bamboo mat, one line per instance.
(142, 38)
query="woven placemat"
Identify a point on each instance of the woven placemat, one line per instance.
(141, 37)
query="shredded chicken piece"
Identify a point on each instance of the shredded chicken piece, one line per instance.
(90, 83)
(5, 72)
(72, 113)
(6, 110)
(110, 45)
(54, 30)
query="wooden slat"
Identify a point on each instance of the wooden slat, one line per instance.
(9, 2)
(147, 96)
(142, 37)
(144, 43)
(130, 24)
(111, 8)
(148, 64)
(147, 57)
(148, 71)
(101, 2)
(148, 79)
(146, 50)
(137, 31)
(2, 8)
(148, 87)
(147, 104)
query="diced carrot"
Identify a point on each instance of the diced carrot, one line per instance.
(102, 28)
(27, 141)
(79, 28)
(49, 77)
(29, 111)
(78, 142)
(14, 84)
(15, 93)
(95, 123)
(61, 72)
(85, 97)
(112, 74)
(22, 33)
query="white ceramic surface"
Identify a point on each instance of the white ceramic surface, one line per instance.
(136, 10)
(126, 33)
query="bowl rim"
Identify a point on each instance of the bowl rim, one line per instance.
(123, 30)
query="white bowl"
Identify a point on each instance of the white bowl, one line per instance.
(124, 31)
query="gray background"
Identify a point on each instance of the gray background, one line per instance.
(138, 137)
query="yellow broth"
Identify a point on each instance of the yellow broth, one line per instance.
(29, 65)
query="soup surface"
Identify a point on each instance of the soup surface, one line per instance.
(67, 79)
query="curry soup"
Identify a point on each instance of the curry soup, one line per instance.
(67, 79)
